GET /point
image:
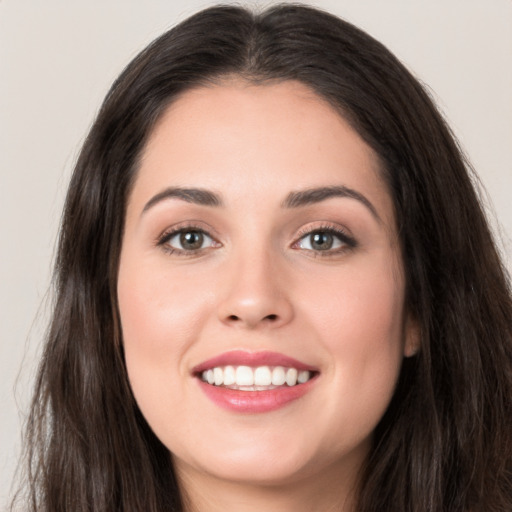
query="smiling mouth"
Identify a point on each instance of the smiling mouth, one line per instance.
(254, 382)
(260, 378)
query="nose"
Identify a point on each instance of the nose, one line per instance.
(256, 295)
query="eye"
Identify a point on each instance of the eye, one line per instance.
(187, 240)
(325, 240)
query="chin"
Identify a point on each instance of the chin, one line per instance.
(273, 461)
(249, 468)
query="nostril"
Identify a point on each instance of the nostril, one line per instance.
(271, 318)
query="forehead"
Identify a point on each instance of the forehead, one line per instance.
(273, 138)
(263, 112)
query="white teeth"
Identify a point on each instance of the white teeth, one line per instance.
(278, 376)
(262, 376)
(303, 376)
(291, 377)
(254, 379)
(218, 376)
(229, 376)
(244, 376)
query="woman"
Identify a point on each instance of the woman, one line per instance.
(276, 288)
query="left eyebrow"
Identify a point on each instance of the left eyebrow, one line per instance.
(317, 195)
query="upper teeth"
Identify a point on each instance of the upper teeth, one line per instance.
(260, 376)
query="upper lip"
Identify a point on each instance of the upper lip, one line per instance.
(253, 359)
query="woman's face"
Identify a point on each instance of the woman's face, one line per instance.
(260, 245)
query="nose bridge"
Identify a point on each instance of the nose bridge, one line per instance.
(255, 293)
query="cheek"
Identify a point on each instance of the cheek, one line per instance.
(359, 318)
(362, 309)
(160, 319)
(159, 312)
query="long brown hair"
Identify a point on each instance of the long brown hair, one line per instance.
(445, 442)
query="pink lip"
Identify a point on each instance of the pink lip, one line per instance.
(241, 357)
(253, 401)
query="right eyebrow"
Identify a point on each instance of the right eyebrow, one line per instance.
(190, 195)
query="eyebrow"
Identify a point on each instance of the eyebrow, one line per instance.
(296, 199)
(190, 195)
(317, 195)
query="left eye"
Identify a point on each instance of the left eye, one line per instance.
(322, 241)
(189, 240)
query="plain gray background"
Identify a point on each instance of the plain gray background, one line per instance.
(58, 59)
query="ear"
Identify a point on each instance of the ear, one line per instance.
(412, 336)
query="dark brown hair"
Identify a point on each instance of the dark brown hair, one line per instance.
(444, 443)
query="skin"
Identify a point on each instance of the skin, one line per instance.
(257, 284)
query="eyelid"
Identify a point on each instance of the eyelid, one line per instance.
(166, 235)
(347, 240)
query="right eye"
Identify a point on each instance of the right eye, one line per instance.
(187, 240)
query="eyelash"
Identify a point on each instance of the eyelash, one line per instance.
(163, 239)
(347, 241)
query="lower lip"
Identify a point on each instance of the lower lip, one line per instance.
(255, 401)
